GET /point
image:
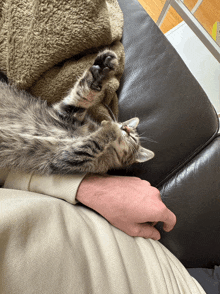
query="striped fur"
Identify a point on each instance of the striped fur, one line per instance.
(62, 138)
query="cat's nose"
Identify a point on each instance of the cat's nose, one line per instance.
(126, 129)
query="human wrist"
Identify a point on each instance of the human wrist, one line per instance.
(90, 189)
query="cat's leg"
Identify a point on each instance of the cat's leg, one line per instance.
(87, 89)
(91, 153)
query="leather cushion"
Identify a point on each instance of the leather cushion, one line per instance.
(175, 113)
(193, 194)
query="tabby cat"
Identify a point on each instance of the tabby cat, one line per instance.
(62, 138)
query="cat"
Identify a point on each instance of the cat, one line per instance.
(62, 138)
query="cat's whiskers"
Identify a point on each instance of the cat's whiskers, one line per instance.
(111, 113)
(147, 139)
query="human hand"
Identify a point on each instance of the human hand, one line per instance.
(128, 203)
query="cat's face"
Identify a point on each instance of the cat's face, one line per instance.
(128, 145)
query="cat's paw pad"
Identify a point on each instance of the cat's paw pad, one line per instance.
(106, 60)
(104, 63)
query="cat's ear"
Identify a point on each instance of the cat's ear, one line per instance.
(132, 123)
(144, 155)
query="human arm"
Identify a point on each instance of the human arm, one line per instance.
(128, 203)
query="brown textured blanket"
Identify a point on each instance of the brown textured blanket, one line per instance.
(46, 45)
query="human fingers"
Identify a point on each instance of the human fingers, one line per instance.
(168, 218)
(144, 230)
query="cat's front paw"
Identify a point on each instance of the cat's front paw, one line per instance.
(112, 129)
(85, 93)
(105, 62)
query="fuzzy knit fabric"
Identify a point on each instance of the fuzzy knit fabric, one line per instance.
(46, 45)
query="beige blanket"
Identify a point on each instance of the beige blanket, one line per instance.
(45, 46)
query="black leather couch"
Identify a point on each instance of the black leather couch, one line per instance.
(182, 129)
